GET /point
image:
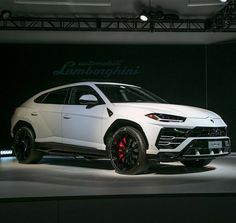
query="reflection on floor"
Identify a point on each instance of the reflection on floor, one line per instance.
(62, 176)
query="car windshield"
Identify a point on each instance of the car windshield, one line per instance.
(124, 94)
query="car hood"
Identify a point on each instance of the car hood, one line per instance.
(172, 109)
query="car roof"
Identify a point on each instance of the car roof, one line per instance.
(89, 83)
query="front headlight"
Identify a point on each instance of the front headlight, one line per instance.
(166, 117)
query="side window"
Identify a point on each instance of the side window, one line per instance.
(40, 98)
(56, 97)
(79, 91)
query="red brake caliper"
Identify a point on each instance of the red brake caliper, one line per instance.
(121, 148)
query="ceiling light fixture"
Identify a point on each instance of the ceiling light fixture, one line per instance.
(143, 17)
(6, 14)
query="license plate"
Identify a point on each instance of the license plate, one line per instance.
(215, 144)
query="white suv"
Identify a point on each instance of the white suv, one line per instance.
(126, 123)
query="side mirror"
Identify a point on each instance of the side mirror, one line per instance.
(89, 100)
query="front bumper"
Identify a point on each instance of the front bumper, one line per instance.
(196, 149)
(182, 144)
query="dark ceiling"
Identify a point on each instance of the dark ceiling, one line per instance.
(185, 8)
(110, 8)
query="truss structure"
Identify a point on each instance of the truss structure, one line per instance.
(224, 21)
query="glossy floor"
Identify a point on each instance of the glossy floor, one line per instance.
(60, 176)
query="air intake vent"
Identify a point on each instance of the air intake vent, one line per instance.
(199, 147)
(170, 138)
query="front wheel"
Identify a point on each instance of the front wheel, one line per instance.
(24, 146)
(127, 150)
(196, 163)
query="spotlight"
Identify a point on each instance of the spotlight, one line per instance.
(143, 17)
(223, 0)
(6, 14)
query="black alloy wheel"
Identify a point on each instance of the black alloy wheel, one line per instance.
(127, 151)
(24, 146)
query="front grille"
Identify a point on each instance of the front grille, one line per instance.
(208, 132)
(171, 138)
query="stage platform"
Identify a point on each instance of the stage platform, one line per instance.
(66, 190)
(62, 176)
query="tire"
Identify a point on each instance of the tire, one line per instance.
(24, 146)
(126, 149)
(196, 163)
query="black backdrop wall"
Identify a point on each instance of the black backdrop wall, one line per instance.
(222, 84)
(192, 75)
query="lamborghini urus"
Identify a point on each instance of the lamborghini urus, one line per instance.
(125, 123)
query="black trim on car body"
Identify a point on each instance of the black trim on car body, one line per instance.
(68, 149)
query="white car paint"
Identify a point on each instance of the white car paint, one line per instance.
(76, 125)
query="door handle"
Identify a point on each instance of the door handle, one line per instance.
(66, 117)
(34, 113)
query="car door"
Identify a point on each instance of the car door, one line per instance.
(81, 122)
(48, 112)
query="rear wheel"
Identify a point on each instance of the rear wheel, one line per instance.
(24, 146)
(196, 163)
(127, 150)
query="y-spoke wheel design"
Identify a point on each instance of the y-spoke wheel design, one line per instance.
(127, 151)
(24, 146)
